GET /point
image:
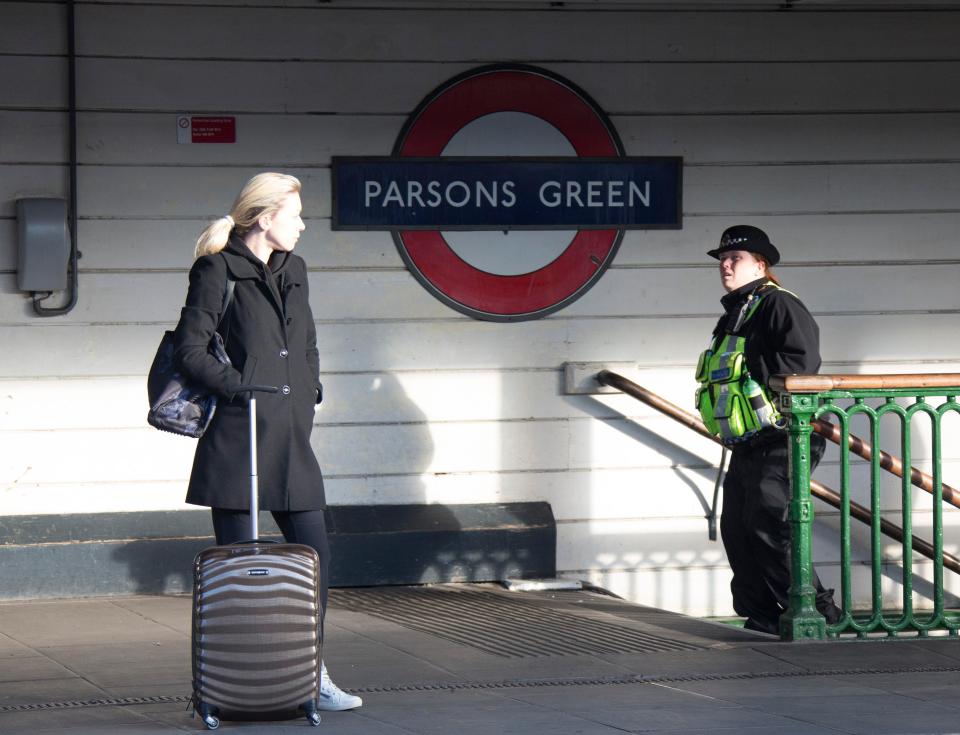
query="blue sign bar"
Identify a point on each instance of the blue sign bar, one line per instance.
(394, 193)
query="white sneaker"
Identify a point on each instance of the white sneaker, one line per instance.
(332, 697)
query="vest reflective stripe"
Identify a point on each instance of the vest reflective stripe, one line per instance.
(722, 412)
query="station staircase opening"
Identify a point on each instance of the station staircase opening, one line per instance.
(877, 621)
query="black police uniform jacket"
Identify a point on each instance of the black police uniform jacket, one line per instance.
(270, 337)
(781, 336)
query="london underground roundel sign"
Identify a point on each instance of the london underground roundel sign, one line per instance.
(507, 193)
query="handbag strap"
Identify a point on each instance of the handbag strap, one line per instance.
(227, 297)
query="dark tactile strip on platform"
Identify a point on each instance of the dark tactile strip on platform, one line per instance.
(501, 624)
(636, 679)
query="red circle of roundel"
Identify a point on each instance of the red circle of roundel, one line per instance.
(440, 116)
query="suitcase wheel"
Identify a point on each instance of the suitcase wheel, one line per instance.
(211, 721)
(313, 718)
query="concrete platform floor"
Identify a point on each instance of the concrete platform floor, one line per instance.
(563, 663)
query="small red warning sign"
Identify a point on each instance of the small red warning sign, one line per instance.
(206, 129)
(213, 130)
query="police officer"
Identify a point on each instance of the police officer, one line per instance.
(765, 330)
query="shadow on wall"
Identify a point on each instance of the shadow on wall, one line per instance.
(160, 566)
(678, 568)
(680, 457)
(890, 493)
(647, 584)
(669, 574)
(374, 445)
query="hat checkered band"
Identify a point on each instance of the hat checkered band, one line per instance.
(727, 241)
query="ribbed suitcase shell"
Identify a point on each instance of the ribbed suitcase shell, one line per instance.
(256, 630)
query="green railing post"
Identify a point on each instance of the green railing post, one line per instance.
(810, 402)
(802, 620)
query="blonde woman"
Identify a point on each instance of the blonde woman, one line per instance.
(269, 335)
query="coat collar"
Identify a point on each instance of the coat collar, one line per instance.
(274, 281)
(735, 297)
(243, 264)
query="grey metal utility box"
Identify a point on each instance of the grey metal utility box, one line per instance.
(43, 244)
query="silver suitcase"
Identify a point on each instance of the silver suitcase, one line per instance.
(256, 625)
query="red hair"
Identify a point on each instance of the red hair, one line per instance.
(771, 276)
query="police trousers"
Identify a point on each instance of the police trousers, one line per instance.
(756, 532)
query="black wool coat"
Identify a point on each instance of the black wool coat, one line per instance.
(270, 337)
(781, 337)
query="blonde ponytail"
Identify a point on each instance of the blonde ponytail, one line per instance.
(214, 237)
(263, 194)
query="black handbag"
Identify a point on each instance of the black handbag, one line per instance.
(177, 404)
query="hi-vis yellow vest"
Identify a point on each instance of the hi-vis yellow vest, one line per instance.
(733, 406)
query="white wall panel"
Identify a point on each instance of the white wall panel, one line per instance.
(429, 398)
(144, 191)
(395, 294)
(781, 87)
(893, 238)
(353, 87)
(630, 544)
(141, 191)
(839, 188)
(647, 493)
(34, 82)
(701, 591)
(680, 461)
(655, 291)
(33, 28)
(838, 142)
(379, 397)
(900, 237)
(269, 140)
(705, 592)
(542, 34)
(88, 456)
(258, 86)
(853, 137)
(17, 182)
(390, 397)
(124, 349)
(102, 496)
(274, 139)
(122, 245)
(573, 495)
(33, 137)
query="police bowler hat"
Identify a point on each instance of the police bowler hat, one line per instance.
(749, 238)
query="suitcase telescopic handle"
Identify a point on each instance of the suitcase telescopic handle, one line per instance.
(251, 390)
(246, 542)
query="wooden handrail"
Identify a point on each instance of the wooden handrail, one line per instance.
(824, 493)
(924, 548)
(820, 383)
(860, 447)
(893, 465)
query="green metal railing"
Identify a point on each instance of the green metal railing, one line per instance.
(827, 404)
(811, 624)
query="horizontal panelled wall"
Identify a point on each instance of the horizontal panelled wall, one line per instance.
(841, 144)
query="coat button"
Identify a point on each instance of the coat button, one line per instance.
(285, 390)
(284, 353)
